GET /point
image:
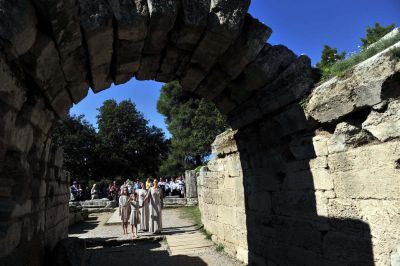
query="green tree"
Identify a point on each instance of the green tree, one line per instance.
(375, 33)
(78, 139)
(329, 57)
(128, 146)
(194, 123)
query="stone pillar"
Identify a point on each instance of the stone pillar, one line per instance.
(191, 187)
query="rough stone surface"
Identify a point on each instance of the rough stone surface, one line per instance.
(367, 84)
(132, 18)
(97, 25)
(63, 19)
(220, 193)
(18, 25)
(224, 25)
(384, 126)
(191, 184)
(163, 14)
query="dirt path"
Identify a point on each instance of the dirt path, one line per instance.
(107, 245)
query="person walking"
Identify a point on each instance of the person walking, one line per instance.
(124, 209)
(155, 197)
(144, 217)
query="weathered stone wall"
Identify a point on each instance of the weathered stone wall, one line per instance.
(35, 215)
(221, 197)
(321, 185)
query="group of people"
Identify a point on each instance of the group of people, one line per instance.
(141, 207)
(174, 186)
(140, 203)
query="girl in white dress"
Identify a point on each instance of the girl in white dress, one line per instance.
(155, 197)
(134, 218)
(124, 209)
(144, 217)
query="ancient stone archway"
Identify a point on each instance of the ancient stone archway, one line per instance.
(53, 51)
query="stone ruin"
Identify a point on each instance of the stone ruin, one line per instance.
(307, 197)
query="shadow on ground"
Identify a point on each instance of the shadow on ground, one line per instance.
(81, 228)
(138, 253)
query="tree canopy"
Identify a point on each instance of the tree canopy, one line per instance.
(193, 123)
(125, 145)
(375, 33)
(329, 56)
(78, 138)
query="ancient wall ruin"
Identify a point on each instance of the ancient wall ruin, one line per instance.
(221, 197)
(35, 215)
(321, 185)
(52, 51)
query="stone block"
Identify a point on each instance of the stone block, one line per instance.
(294, 203)
(43, 65)
(11, 236)
(132, 18)
(61, 103)
(149, 66)
(246, 48)
(384, 126)
(266, 68)
(343, 248)
(162, 19)
(171, 62)
(39, 115)
(97, 25)
(291, 85)
(18, 25)
(12, 91)
(225, 22)
(63, 20)
(320, 144)
(190, 24)
(362, 87)
(260, 202)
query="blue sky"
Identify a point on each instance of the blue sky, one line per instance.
(304, 26)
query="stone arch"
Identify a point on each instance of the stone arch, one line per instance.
(53, 51)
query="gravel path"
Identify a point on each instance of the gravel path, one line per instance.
(107, 245)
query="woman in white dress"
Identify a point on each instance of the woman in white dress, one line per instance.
(155, 197)
(144, 217)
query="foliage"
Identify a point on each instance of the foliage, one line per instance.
(395, 53)
(129, 147)
(329, 57)
(125, 144)
(193, 213)
(78, 139)
(340, 68)
(220, 248)
(194, 123)
(375, 33)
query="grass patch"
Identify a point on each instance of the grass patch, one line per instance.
(193, 213)
(220, 248)
(198, 168)
(304, 101)
(395, 53)
(207, 235)
(341, 68)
